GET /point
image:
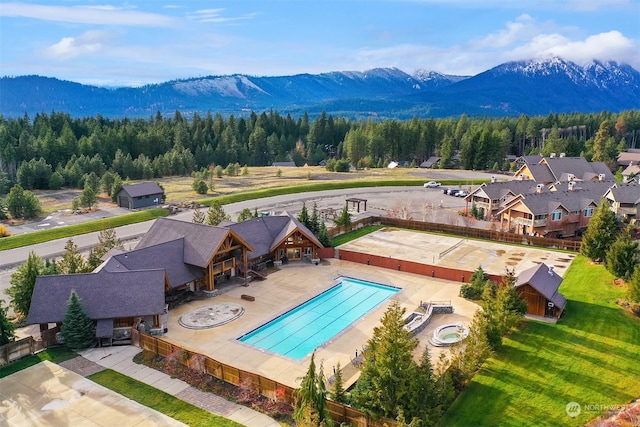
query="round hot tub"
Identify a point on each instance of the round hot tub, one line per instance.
(447, 335)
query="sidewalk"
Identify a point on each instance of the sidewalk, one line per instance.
(120, 359)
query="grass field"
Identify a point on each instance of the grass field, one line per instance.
(27, 239)
(159, 400)
(590, 357)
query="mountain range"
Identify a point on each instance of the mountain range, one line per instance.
(534, 87)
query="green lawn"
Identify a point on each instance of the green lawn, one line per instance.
(27, 239)
(590, 357)
(53, 354)
(159, 400)
(353, 235)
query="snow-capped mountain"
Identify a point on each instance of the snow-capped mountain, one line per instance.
(523, 87)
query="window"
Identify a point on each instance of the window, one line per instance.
(556, 215)
(588, 212)
(537, 217)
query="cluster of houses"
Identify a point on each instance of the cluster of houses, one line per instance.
(555, 196)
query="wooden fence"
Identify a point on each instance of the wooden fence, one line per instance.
(16, 350)
(458, 230)
(266, 387)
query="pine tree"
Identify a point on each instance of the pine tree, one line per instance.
(311, 398)
(72, 260)
(323, 235)
(216, 214)
(303, 216)
(338, 395)
(601, 233)
(7, 328)
(245, 215)
(314, 221)
(622, 256)
(198, 216)
(388, 368)
(107, 240)
(77, 328)
(23, 281)
(424, 397)
(344, 220)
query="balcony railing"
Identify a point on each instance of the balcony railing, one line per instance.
(540, 222)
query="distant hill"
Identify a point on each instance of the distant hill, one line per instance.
(527, 87)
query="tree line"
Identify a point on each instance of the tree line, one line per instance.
(56, 150)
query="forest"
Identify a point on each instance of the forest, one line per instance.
(56, 150)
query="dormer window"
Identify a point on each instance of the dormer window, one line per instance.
(556, 215)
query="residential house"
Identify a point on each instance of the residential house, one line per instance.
(538, 286)
(631, 156)
(631, 173)
(430, 162)
(140, 195)
(553, 169)
(624, 200)
(490, 197)
(549, 214)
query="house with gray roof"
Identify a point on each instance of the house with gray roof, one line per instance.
(490, 197)
(549, 213)
(624, 200)
(142, 195)
(538, 286)
(553, 169)
(174, 258)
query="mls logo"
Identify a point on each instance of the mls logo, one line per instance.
(573, 409)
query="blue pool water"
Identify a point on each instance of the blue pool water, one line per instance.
(299, 331)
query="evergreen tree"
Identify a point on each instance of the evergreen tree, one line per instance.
(314, 221)
(216, 214)
(424, 396)
(323, 235)
(303, 216)
(601, 233)
(15, 201)
(622, 256)
(7, 328)
(338, 395)
(23, 281)
(311, 398)
(78, 330)
(245, 215)
(116, 186)
(107, 240)
(199, 186)
(344, 219)
(633, 291)
(198, 216)
(89, 197)
(388, 368)
(72, 260)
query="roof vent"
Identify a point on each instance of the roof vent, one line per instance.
(493, 178)
(601, 177)
(551, 270)
(539, 188)
(571, 176)
(572, 185)
(552, 155)
(563, 154)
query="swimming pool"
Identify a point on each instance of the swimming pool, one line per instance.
(299, 331)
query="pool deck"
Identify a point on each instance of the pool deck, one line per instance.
(292, 285)
(295, 283)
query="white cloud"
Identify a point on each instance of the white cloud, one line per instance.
(215, 16)
(70, 47)
(101, 15)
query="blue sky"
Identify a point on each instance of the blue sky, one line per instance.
(138, 42)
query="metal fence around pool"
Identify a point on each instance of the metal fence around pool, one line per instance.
(266, 387)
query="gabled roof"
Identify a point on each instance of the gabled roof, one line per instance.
(597, 188)
(548, 201)
(500, 189)
(629, 156)
(167, 256)
(201, 241)
(539, 172)
(429, 162)
(142, 189)
(266, 233)
(563, 168)
(631, 169)
(129, 294)
(530, 160)
(624, 193)
(543, 279)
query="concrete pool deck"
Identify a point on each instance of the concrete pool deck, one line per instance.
(295, 283)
